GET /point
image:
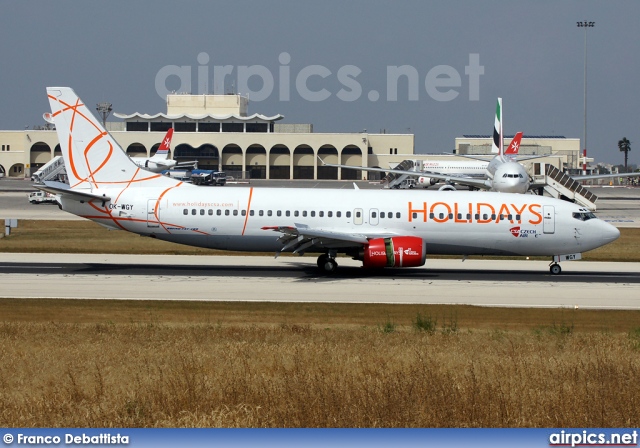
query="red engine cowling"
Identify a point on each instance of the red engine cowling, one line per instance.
(395, 252)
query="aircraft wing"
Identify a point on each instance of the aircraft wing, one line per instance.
(462, 180)
(488, 157)
(63, 189)
(299, 237)
(605, 176)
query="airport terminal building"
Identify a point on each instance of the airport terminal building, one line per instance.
(217, 131)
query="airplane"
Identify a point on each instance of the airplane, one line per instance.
(503, 173)
(160, 160)
(397, 229)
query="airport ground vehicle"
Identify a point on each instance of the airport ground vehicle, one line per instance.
(40, 197)
(208, 177)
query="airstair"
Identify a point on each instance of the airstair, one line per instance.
(52, 170)
(393, 180)
(560, 185)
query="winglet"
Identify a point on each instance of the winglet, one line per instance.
(513, 148)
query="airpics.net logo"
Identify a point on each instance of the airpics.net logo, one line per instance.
(315, 82)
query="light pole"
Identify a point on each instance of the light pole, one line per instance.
(104, 109)
(585, 25)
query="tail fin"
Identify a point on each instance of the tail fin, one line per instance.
(93, 158)
(513, 148)
(163, 150)
(498, 145)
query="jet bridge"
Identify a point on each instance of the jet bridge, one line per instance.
(560, 185)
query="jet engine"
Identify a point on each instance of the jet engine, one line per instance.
(395, 252)
(426, 181)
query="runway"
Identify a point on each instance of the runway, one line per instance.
(287, 279)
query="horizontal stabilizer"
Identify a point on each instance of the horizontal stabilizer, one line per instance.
(63, 189)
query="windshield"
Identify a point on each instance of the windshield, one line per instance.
(584, 216)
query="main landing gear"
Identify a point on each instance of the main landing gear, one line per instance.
(555, 268)
(327, 263)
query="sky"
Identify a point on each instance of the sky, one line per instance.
(431, 68)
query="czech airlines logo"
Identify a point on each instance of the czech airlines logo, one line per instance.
(522, 233)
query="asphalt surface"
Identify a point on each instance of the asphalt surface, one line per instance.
(234, 278)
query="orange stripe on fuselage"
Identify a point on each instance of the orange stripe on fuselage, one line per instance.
(246, 218)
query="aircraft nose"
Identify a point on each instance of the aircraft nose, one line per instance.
(610, 233)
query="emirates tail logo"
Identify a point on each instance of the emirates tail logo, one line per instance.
(515, 231)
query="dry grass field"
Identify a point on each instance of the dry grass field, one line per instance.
(76, 363)
(88, 237)
(175, 364)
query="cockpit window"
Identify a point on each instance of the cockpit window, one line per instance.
(584, 216)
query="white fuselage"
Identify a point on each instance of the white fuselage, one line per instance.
(457, 168)
(155, 165)
(460, 222)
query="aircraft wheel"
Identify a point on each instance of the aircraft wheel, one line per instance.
(555, 269)
(327, 264)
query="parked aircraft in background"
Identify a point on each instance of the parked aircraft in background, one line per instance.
(503, 173)
(160, 161)
(397, 229)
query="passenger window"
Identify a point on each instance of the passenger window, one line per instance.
(261, 213)
(450, 215)
(304, 213)
(382, 215)
(202, 211)
(313, 214)
(269, 213)
(398, 215)
(321, 214)
(210, 212)
(218, 212)
(226, 213)
(415, 215)
(468, 216)
(244, 213)
(235, 213)
(287, 213)
(279, 213)
(373, 214)
(431, 215)
(477, 216)
(296, 213)
(441, 215)
(193, 211)
(185, 211)
(518, 217)
(493, 216)
(509, 217)
(330, 214)
(348, 214)
(338, 214)
(358, 214)
(252, 212)
(459, 215)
